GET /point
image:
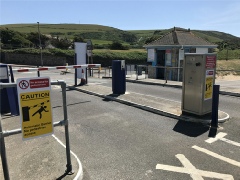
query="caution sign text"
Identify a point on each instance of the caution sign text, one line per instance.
(208, 87)
(35, 107)
(36, 113)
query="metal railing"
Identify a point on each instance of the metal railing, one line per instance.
(63, 122)
(141, 71)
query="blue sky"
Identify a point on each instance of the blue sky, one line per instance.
(219, 15)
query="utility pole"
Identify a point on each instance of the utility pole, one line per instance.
(40, 44)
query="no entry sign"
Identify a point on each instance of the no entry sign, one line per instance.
(35, 106)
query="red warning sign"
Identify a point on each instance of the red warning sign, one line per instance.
(210, 62)
(39, 83)
(23, 84)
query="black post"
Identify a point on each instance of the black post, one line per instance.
(75, 75)
(11, 73)
(38, 73)
(215, 102)
(86, 70)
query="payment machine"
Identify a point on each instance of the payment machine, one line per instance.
(198, 80)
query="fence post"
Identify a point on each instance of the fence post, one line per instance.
(215, 102)
(146, 71)
(166, 74)
(69, 164)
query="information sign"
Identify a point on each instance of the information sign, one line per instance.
(209, 84)
(35, 106)
(151, 55)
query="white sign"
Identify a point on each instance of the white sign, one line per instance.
(89, 53)
(168, 57)
(81, 52)
(151, 55)
(3, 73)
(35, 106)
(181, 54)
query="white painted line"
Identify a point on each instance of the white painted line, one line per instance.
(186, 163)
(230, 142)
(79, 175)
(225, 118)
(156, 97)
(210, 153)
(188, 168)
(218, 136)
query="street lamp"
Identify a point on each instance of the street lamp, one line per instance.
(40, 44)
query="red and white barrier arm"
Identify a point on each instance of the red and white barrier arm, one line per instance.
(57, 67)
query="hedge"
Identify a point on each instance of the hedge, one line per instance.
(103, 57)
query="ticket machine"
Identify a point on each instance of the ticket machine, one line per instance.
(198, 80)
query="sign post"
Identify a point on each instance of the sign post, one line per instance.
(35, 106)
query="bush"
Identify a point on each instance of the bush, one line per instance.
(228, 54)
(103, 57)
(118, 46)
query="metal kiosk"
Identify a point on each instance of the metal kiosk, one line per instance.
(198, 80)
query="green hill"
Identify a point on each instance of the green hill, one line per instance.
(100, 34)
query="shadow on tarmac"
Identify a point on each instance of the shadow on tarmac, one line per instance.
(72, 104)
(111, 95)
(190, 129)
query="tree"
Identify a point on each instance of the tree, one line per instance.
(117, 46)
(13, 38)
(78, 38)
(151, 39)
(61, 43)
(34, 38)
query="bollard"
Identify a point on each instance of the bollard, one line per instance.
(215, 102)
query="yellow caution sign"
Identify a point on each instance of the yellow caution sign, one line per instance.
(35, 107)
(208, 87)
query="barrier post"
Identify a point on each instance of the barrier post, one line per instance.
(38, 73)
(215, 102)
(136, 72)
(69, 164)
(11, 73)
(75, 74)
(3, 153)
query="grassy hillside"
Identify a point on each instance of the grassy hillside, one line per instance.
(98, 33)
(105, 34)
(62, 28)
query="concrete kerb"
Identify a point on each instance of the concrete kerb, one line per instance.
(153, 83)
(151, 109)
(178, 86)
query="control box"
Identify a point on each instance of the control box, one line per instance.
(198, 80)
